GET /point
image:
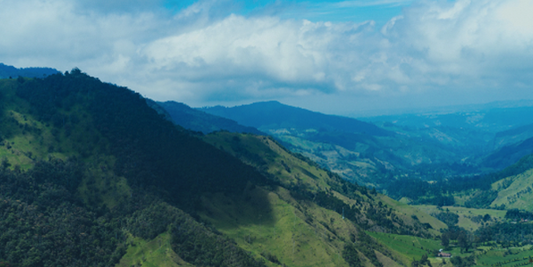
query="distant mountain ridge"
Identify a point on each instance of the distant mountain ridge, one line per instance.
(7, 71)
(273, 114)
(200, 121)
(509, 154)
(513, 136)
(358, 151)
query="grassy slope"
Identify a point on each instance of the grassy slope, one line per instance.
(465, 214)
(155, 253)
(505, 257)
(409, 247)
(347, 163)
(406, 212)
(516, 195)
(294, 231)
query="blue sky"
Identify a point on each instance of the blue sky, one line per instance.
(339, 57)
(334, 11)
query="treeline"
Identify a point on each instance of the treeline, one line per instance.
(515, 214)
(506, 233)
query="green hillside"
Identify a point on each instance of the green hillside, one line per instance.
(310, 223)
(78, 174)
(515, 192)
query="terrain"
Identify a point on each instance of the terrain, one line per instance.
(93, 174)
(423, 147)
(91, 166)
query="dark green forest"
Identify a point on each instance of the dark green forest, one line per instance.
(46, 223)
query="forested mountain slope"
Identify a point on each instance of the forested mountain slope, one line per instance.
(93, 176)
(88, 166)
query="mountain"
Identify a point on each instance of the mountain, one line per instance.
(509, 188)
(12, 72)
(358, 151)
(92, 175)
(199, 121)
(474, 133)
(274, 115)
(512, 136)
(509, 154)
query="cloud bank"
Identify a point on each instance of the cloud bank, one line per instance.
(206, 54)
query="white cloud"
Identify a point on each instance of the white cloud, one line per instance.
(204, 54)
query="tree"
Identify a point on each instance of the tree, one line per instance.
(445, 240)
(463, 241)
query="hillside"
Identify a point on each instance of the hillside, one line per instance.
(512, 136)
(309, 208)
(472, 133)
(200, 121)
(509, 154)
(91, 167)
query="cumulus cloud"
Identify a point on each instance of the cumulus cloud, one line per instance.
(205, 54)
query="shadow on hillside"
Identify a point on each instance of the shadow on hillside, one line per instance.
(252, 207)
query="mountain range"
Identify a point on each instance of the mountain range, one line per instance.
(91, 167)
(93, 174)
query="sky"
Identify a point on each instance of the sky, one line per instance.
(338, 57)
